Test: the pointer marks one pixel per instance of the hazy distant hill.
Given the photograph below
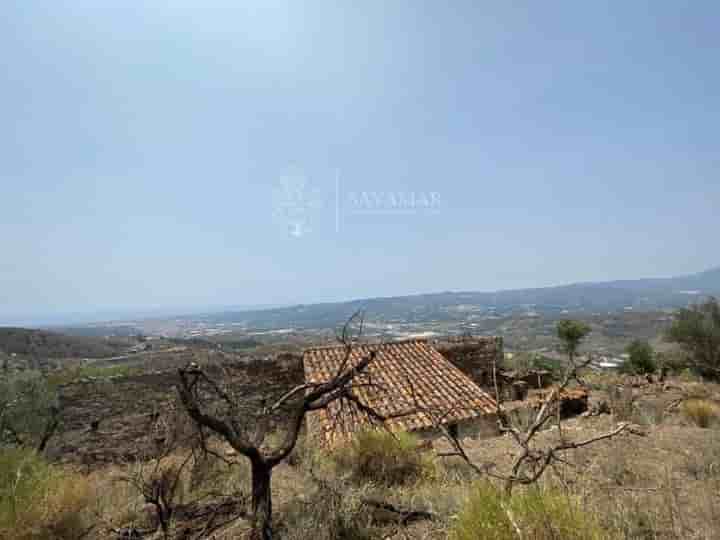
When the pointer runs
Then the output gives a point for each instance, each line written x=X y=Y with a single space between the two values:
x=640 y=294
x=43 y=344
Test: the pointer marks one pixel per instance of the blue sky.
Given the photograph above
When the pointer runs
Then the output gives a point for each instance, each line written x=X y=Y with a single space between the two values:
x=172 y=155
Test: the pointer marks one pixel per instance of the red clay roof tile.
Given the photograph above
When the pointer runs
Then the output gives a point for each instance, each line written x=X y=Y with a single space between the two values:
x=410 y=383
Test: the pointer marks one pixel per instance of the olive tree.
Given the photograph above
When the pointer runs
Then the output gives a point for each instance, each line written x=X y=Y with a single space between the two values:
x=571 y=334
x=697 y=330
x=29 y=410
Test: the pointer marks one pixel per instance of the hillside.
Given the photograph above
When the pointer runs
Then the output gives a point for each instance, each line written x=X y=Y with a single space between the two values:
x=43 y=344
x=640 y=294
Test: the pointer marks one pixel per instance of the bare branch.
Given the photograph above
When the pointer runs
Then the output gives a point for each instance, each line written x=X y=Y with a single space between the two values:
x=528 y=456
x=235 y=428
x=289 y=395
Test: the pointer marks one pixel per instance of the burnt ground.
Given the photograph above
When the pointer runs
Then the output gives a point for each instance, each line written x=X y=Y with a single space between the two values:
x=122 y=408
x=126 y=410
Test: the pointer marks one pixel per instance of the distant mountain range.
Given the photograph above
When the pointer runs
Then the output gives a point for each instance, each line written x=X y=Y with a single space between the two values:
x=639 y=294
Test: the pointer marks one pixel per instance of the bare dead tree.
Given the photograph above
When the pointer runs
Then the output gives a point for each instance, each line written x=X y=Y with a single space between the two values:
x=247 y=434
x=531 y=460
x=174 y=453
x=159 y=486
x=157 y=472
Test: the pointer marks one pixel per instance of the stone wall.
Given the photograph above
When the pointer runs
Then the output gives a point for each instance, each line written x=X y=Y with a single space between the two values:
x=283 y=371
x=482 y=427
x=475 y=357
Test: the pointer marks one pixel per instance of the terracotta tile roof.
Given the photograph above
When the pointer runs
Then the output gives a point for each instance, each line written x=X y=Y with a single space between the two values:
x=409 y=382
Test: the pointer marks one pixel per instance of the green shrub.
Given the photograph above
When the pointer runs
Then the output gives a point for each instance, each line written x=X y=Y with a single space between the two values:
x=483 y=516
x=553 y=365
x=37 y=500
x=385 y=458
x=538 y=514
x=641 y=358
x=73 y=374
x=701 y=412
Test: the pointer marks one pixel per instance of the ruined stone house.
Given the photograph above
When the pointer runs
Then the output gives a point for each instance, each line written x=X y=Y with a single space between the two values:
x=475 y=356
x=410 y=384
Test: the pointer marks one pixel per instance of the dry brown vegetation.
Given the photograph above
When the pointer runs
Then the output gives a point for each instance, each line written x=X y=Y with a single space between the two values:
x=659 y=480
x=701 y=412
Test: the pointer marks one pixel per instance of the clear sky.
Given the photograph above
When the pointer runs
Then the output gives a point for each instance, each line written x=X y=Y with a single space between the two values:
x=175 y=154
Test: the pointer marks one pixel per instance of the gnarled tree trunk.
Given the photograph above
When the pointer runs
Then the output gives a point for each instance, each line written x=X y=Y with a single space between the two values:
x=261 y=500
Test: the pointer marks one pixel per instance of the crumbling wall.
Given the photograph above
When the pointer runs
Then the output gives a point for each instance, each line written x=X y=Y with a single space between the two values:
x=282 y=372
x=474 y=356
x=515 y=385
x=262 y=380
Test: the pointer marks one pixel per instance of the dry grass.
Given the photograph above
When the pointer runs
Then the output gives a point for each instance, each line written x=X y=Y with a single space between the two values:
x=661 y=486
x=115 y=502
x=622 y=403
x=327 y=516
x=704 y=465
x=538 y=514
x=701 y=412
x=385 y=458
x=117 y=498
x=39 y=501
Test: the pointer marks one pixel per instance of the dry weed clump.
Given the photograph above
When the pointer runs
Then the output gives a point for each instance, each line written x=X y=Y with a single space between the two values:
x=121 y=494
x=327 y=515
x=662 y=512
x=115 y=502
x=534 y=513
x=622 y=403
x=652 y=412
x=632 y=516
x=380 y=457
x=602 y=380
x=209 y=476
x=704 y=465
x=39 y=501
x=701 y=412
x=697 y=390
x=620 y=470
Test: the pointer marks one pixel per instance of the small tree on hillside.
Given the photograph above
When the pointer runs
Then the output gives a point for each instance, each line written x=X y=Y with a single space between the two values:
x=697 y=330
x=571 y=334
x=641 y=358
